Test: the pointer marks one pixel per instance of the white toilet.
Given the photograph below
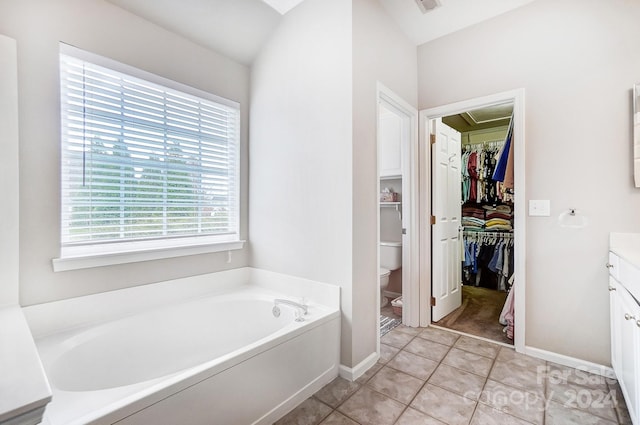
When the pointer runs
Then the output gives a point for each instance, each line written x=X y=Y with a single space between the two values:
x=390 y=259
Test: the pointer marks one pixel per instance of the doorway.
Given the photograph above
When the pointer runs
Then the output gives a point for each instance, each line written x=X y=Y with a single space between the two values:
x=442 y=239
x=398 y=223
x=472 y=204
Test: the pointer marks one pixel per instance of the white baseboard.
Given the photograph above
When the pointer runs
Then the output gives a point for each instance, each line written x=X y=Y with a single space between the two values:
x=563 y=360
x=353 y=373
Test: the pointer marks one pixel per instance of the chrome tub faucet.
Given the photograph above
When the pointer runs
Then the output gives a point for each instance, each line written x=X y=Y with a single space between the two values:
x=301 y=308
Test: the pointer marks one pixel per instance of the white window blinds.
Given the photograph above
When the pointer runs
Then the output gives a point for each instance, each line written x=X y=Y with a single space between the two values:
x=142 y=161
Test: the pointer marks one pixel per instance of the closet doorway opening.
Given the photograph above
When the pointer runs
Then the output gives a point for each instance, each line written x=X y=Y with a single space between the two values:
x=474 y=194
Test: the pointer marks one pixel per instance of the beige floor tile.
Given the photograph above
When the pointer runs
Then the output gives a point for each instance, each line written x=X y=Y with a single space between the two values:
x=438 y=335
x=310 y=412
x=515 y=392
x=414 y=365
x=450 y=408
x=623 y=415
x=518 y=377
x=395 y=384
x=596 y=401
x=580 y=376
x=386 y=353
x=336 y=392
x=415 y=417
x=429 y=349
x=337 y=418
x=456 y=380
x=369 y=374
x=558 y=374
x=558 y=414
x=516 y=402
x=485 y=415
x=510 y=356
x=369 y=407
x=396 y=338
x=408 y=330
x=468 y=361
x=621 y=407
x=477 y=346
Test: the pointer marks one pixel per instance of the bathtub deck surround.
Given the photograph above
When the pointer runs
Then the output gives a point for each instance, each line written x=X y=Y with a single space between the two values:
x=161 y=353
x=429 y=376
x=24 y=390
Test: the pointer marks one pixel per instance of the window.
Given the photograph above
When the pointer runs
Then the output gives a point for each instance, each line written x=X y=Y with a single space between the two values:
x=147 y=163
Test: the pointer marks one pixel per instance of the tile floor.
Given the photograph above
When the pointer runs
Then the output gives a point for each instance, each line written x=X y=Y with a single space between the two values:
x=429 y=376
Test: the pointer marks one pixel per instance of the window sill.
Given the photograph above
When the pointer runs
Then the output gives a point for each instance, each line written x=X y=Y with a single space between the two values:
x=108 y=259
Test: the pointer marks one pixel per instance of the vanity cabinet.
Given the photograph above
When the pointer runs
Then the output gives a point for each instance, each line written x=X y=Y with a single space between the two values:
x=391 y=134
x=625 y=330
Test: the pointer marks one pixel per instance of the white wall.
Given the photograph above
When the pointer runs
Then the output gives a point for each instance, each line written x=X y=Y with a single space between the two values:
x=313 y=189
x=9 y=219
x=99 y=27
x=381 y=53
x=577 y=61
x=300 y=151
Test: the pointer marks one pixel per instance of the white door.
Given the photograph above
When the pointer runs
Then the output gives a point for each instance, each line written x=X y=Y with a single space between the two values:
x=446 y=209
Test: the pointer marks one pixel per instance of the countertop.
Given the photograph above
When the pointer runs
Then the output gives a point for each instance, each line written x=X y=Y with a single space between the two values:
x=24 y=389
x=626 y=246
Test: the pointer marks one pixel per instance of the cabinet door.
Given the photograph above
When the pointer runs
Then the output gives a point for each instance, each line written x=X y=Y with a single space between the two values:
x=628 y=313
x=615 y=316
x=391 y=133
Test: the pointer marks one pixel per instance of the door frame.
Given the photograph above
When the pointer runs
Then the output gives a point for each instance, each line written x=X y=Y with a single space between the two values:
x=517 y=97
x=410 y=196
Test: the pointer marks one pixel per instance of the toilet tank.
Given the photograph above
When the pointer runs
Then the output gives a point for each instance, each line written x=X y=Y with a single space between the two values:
x=391 y=255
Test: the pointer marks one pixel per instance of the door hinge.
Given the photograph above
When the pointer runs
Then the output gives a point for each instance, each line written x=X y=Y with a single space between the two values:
x=404 y=231
x=433 y=220
x=432 y=137
x=433 y=301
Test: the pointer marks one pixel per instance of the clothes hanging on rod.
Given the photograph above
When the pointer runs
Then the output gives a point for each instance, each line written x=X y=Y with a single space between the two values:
x=488 y=260
x=507 y=316
x=478 y=163
x=504 y=168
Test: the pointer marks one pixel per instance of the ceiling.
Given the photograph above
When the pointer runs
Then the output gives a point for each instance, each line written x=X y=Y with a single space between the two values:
x=238 y=28
x=450 y=16
x=481 y=119
x=234 y=28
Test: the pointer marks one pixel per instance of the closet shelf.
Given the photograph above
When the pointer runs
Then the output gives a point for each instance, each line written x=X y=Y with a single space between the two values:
x=396 y=205
x=391 y=177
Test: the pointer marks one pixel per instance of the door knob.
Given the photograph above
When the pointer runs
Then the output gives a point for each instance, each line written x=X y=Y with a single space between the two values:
x=627 y=316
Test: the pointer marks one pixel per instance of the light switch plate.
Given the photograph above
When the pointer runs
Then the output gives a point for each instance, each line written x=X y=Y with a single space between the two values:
x=539 y=208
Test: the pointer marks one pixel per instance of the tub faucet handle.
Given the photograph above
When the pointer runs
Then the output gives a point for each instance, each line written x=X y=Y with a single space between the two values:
x=298 y=306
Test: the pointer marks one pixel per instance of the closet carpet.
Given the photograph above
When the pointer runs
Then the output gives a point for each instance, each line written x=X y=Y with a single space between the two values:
x=479 y=313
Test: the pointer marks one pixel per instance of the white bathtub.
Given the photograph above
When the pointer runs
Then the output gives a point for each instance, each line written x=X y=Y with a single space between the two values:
x=203 y=350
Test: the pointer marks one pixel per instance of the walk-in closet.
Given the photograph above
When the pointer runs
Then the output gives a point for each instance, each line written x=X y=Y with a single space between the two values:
x=485 y=231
